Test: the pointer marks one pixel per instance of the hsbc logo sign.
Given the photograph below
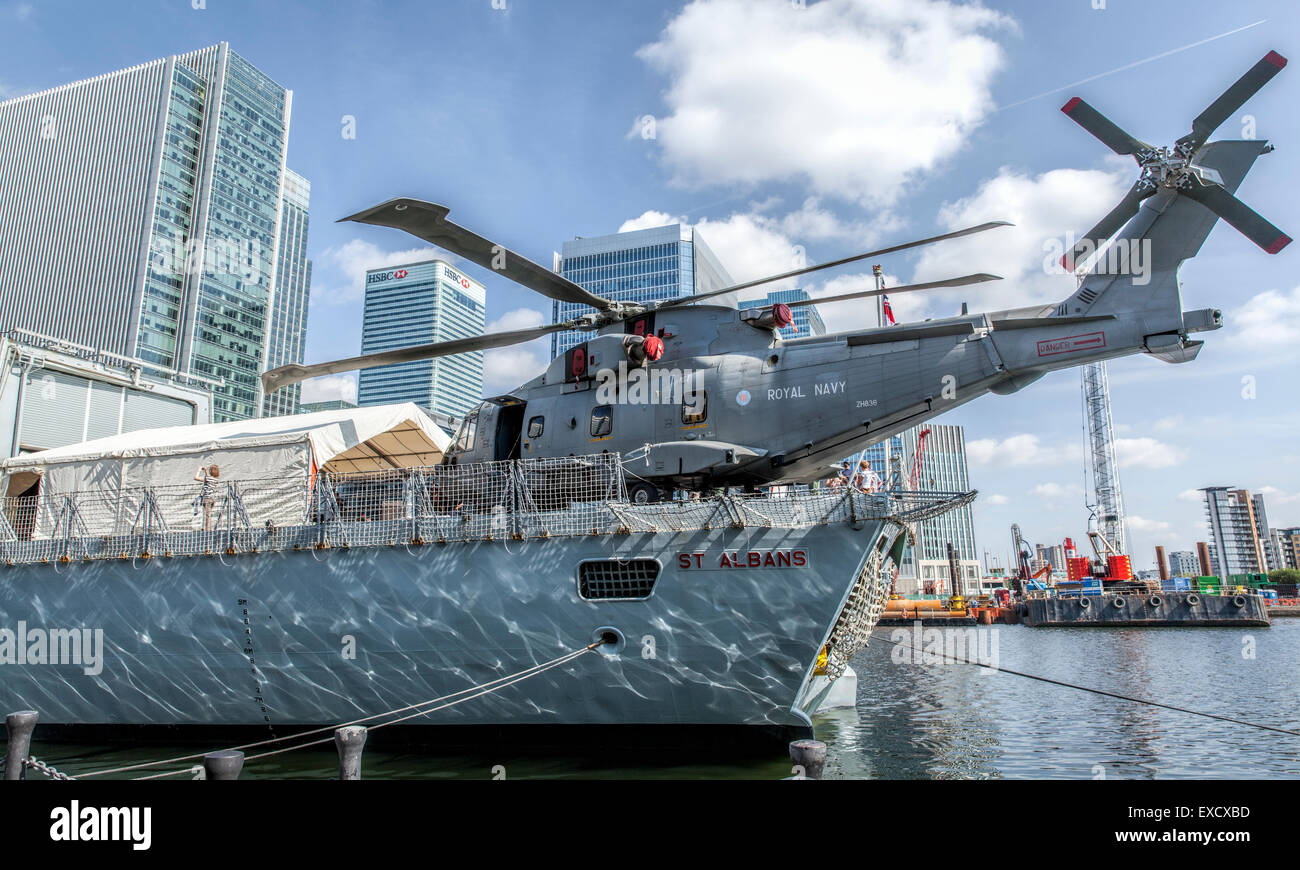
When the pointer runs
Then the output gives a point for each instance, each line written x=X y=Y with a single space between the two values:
x=381 y=277
x=457 y=278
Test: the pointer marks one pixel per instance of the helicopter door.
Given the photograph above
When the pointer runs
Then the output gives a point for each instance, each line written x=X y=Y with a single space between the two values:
x=510 y=425
x=538 y=420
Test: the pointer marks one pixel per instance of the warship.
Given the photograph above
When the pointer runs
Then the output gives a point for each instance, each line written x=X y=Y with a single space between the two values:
x=392 y=588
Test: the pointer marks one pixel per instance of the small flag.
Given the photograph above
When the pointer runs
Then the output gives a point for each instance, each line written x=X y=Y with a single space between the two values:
x=889 y=312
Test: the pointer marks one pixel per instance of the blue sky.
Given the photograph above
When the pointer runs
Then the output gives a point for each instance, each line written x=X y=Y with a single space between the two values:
x=832 y=127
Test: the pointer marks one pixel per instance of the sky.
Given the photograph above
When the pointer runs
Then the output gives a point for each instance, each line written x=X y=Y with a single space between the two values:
x=783 y=128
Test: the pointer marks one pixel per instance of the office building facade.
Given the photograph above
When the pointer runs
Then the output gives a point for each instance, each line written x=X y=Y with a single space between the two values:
x=421 y=303
x=943 y=469
x=1288 y=546
x=1053 y=556
x=142 y=214
x=327 y=405
x=1238 y=547
x=287 y=338
x=638 y=266
x=1267 y=540
x=1183 y=563
x=806 y=319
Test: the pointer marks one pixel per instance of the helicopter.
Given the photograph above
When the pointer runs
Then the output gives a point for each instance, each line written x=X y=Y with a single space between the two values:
x=694 y=394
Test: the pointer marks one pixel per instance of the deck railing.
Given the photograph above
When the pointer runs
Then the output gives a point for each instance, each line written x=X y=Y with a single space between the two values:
x=519 y=500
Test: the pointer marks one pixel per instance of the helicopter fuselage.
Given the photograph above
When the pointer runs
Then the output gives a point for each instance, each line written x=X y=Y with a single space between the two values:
x=729 y=404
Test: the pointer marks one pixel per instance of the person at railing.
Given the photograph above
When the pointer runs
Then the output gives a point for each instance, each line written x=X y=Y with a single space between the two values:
x=866 y=479
x=207 y=475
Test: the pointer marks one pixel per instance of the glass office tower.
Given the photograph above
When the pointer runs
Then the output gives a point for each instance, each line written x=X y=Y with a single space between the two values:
x=292 y=292
x=157 y=191
x=943 y=469
x=639 y=266
x=806 y=320
x=421 y=303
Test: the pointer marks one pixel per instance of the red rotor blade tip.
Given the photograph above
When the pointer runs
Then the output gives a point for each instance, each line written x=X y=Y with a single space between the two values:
x=1074 y=101
x=1278 y=244
x=1276 y=59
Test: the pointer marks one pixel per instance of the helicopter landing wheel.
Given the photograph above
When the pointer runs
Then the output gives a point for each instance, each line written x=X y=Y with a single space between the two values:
x=642 y=492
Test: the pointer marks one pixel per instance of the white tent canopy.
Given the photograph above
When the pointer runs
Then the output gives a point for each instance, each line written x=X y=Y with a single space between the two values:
x=284 y=451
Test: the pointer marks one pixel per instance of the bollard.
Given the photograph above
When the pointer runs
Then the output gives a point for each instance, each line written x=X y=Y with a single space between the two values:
x=225 y=764
x=350 y=741
x=810 y=755
x=19 y=727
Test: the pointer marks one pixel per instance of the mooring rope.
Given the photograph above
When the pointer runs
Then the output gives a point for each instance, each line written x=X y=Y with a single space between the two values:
x=480 y=690
x=1101 y=692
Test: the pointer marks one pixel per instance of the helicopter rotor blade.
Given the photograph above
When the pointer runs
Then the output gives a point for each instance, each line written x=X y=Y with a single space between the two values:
x=428 y=221
x=1108 y=225
x=978 y=278
x=687 y=300
x=1110 y=134
x=1231 y=100
x=293 y=373
x=1246 y=220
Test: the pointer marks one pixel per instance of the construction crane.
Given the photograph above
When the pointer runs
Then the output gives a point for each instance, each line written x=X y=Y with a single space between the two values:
x=1024 y=556
x=918 y=459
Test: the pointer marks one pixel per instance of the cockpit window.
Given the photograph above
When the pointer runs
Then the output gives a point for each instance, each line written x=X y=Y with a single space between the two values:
x=468 y=429
x=602 y=421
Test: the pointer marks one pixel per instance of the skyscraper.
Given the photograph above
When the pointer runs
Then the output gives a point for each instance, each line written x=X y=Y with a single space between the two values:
x=288 y=333
x=1238 y=546
x=140 y=214
x=420 y=303
x=806 y=320
x=638 y=266
x=943 y=469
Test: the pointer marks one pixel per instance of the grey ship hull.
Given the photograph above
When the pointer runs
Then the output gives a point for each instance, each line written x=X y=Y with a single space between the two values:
x=303 y=637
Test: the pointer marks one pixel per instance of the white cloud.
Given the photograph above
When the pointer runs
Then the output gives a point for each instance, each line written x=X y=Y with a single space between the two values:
x=852 y=98
x=505 y=368
x=1147 y=453
x=1020 y=450
x=1166 y=424
x=9 y=92
x=1044 y=208
x=996 y=499
x=1268 y=321
x=1273 y=495
x=330 y=388
x=1192 y=495
x=1141 y=524
x=1051 y=489
x=349 y=263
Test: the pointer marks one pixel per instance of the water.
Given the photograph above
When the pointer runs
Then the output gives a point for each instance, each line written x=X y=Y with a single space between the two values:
x=945 y=721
